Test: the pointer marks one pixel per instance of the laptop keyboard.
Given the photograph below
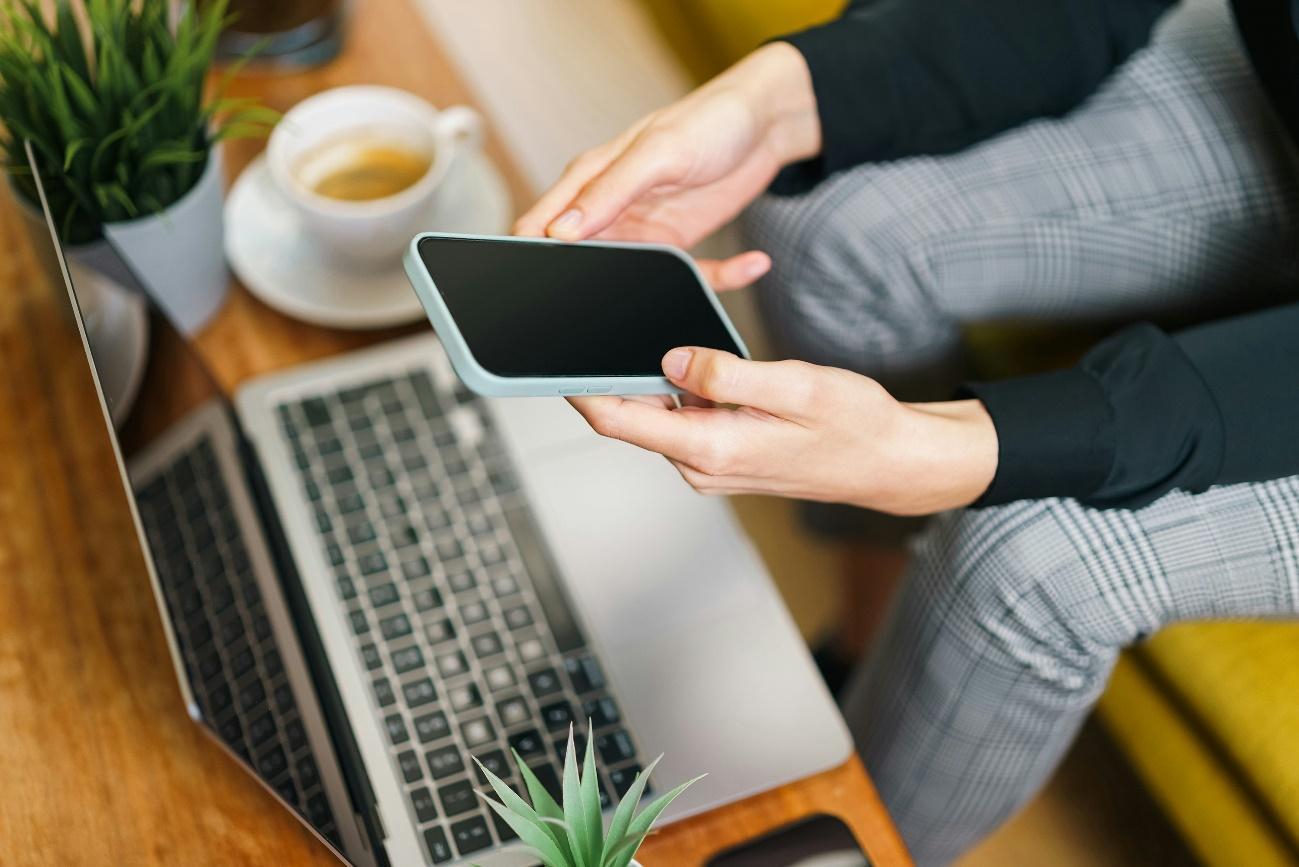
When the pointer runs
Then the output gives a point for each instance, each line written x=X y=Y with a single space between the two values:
x=233 y=664
x=455 y=611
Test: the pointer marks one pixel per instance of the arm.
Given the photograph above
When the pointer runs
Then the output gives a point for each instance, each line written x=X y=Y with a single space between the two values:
x=895 y=78
x=1145 y=413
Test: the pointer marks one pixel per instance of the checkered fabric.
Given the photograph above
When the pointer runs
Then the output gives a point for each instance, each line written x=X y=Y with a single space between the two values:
x=1009 y=624
x=1172 y=192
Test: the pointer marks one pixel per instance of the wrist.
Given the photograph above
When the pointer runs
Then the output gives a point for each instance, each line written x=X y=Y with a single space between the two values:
x=777 y=85
x=950 y=452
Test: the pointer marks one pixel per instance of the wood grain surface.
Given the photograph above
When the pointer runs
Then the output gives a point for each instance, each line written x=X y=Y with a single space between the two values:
x=100 y=763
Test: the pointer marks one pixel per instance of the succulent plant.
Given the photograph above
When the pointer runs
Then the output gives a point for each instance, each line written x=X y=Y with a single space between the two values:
x=574 y=834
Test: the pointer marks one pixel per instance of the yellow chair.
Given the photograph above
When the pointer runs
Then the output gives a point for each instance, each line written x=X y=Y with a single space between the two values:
x=1208 y=714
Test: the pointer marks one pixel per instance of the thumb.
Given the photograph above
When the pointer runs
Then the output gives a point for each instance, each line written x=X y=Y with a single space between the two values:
x=604 y=198
x=782 y=388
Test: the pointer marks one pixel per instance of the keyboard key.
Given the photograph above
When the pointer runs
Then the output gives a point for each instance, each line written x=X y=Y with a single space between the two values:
x=496 y=762
x=487 y=644
x=370 y=655
x=445 y=761
x=549 y=778
x=557 y=716
x=219 y=699
x=432 y=726
x=528 y=743
x=513 y=711
x=323 y=523
x=601 y=712
x=615 y=748
x=425 y=808
x=471 y=835
x=622 y=778
x=439 y=848
x=531 y=650
x=457 y=798
x=407 y=659
x=396 y=727
x=283 y=696
x=505 y=585
x=272 y=763
x=544 y=682
x=349 y=503
x=518 y=617
x=503 y=830
x=462 y=580
x=359 y=534
x=477 y=732
x=360 y=625
x=465 y=697
x=260 y=729
x=383 y=692
x=250 y=696
x=438 y=631
x=416 y=568
x=295 y=735
x=418 y=693
x=395 y=627
x=452 y=664
x=585 y=674
x=449 y=548
x=346 y=589
x=373 y=563
x=427 y=599
x=409 y=764
x=316 y=412
x=384 y=594
x=307 y=772
x=473 y=612
x=499 y=677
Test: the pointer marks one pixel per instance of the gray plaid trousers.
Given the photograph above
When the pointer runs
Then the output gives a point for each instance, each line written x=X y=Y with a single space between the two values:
x=1171 y=191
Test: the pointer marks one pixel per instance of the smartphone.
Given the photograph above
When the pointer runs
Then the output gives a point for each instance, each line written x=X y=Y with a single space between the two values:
x=525 y=317
x=818 y=841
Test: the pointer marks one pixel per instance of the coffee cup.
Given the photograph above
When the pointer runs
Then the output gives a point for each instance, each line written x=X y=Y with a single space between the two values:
x=363 y=165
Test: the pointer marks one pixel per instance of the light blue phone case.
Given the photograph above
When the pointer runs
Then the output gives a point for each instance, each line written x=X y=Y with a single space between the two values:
x=484 y=382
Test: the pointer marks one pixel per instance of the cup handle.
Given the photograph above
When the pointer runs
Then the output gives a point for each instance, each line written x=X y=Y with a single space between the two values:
x=461 y=126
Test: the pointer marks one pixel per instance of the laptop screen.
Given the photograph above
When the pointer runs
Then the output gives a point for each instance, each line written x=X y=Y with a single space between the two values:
x=210 y=547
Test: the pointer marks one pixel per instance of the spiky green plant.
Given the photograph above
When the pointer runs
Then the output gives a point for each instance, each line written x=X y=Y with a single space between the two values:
x=574 y=835
x=111 y=93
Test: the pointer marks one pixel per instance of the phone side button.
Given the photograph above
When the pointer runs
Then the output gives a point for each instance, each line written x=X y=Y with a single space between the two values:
x=599 y=389
x=569 y=390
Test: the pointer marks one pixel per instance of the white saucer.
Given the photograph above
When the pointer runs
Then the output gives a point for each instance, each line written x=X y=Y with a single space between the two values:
x=283 y=266
x=117 y=326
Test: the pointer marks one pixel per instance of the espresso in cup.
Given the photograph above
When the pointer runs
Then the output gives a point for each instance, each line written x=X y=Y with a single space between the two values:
x=364 y=165
x=361 y=170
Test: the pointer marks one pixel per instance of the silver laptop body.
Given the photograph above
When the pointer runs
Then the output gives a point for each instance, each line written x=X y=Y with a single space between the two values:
x=369 y=575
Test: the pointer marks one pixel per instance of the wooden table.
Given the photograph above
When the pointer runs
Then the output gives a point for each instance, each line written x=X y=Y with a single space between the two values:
x=99 y=761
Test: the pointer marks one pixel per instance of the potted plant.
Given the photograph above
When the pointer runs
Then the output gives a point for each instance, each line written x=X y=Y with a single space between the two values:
x=574 y=834
x=112 y=96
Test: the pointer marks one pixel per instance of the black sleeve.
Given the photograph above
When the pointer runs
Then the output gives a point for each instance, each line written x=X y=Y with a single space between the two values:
x=896 y=78
x=1144 y=413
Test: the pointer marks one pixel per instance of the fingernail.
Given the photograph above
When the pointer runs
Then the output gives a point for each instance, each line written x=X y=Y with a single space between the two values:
x=755 y=269
x=567 y=222
x=676 y=363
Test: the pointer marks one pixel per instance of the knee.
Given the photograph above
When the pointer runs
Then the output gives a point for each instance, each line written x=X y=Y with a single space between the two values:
x=849 y=267
x=1014 y=588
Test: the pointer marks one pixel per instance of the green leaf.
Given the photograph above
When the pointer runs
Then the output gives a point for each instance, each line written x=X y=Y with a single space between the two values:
x=579 y=835
x=625 y=811
x=590 y=792
x=644 y=821
x=544 y=804
x=511 y=800
x=532 y=835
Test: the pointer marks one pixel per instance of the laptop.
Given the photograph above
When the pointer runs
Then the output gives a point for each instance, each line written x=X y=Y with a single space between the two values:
x=368 y=575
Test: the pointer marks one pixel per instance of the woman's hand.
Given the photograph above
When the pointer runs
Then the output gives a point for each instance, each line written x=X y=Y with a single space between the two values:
x=809 y=432
x=682 y=172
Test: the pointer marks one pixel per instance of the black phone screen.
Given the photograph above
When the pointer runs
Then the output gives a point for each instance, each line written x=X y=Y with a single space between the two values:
x=542 y=309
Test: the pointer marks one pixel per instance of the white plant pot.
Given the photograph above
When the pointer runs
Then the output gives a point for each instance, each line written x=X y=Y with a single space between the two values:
x=179 y=254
